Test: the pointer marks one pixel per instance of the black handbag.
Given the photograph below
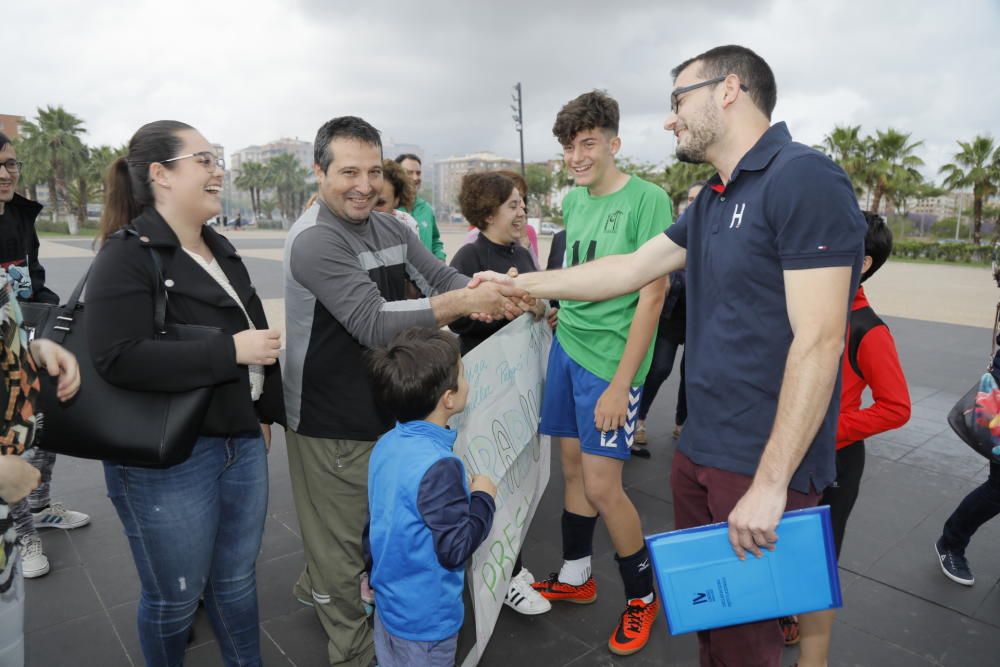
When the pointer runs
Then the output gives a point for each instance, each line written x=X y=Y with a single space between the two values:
x=107 y=422
x=968 y=416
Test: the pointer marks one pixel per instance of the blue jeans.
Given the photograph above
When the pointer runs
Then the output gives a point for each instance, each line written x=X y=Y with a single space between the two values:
x=195 y=530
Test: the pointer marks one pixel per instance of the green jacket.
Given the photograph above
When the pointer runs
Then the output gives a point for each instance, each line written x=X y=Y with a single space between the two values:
x=427 y=226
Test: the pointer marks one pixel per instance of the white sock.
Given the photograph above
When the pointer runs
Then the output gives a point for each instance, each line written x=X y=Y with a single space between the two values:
x=649 y=598
x=575 y=572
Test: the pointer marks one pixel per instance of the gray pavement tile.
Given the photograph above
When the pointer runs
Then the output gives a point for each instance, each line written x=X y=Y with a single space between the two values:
x=551 y=643
x=920 y=392
x=977 y=644
x=57 y=597
x=887 y=449
x=912 y=566
x=930 y=413
x=290 y=520
x=278 y=541
x=88 y=640
x=275 y=579
x=852 y=647
x=124 y=619
x=116 y=579
x=299 y=636
x=956 y=463
x=208 y=655
x=907 y=435
x=103 y=538
x=943 y=400
x=989 y=610
x=921 y=627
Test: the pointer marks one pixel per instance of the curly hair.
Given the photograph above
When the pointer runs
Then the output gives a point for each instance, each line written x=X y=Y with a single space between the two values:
x=595 y=109
x=401 y=183
x=482 y=193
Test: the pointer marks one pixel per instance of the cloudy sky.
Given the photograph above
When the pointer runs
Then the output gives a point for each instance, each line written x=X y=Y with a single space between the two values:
x=439 y=73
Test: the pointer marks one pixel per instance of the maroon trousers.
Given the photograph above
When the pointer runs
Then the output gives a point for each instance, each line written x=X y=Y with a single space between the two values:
x=704 y=495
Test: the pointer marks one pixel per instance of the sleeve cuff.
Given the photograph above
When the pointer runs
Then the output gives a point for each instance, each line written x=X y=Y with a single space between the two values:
x=820 y=260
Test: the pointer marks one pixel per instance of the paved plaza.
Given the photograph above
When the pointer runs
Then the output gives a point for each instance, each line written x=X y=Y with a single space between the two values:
x=899 y=610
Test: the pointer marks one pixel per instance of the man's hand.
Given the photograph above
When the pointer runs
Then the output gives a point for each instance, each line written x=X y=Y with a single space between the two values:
x=753 y=521
x=612 y=408
x=553 y=318
x=491 y=277
x=18 y=478
x=491 y=301
x=58 y=362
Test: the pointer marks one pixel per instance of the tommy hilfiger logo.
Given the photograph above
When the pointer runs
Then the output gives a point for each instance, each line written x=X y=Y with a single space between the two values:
x=737 y=216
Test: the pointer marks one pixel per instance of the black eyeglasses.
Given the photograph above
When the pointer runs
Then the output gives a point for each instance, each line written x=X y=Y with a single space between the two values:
x=695 y=86
x=206 y=159
x=12 y=166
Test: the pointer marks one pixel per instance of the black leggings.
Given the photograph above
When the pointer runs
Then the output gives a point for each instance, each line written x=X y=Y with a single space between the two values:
x=840 y=495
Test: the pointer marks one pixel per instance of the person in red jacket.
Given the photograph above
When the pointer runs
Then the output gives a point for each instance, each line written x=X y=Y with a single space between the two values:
x=870 y=360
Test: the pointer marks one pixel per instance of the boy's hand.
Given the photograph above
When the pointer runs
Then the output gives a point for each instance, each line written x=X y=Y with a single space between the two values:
x=611 y=410
x=483 y=483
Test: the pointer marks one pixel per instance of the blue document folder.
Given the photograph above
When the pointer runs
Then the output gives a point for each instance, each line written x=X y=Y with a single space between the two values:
x=703 y=585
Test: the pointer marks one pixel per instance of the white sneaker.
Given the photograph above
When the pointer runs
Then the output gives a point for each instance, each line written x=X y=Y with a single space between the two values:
x=57 y=516
x=33 y=562
x=524 y=599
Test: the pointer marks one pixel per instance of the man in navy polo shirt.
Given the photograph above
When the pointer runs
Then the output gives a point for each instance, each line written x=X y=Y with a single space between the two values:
x=773 y=249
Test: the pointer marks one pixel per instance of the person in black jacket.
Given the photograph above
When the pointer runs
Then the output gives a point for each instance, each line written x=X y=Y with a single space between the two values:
x=492 y=203
x=19 y=262
x=194 y=528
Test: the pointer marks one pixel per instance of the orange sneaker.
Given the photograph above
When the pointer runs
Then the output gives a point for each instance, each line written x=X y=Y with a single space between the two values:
x=553 y=589
x=633 y=628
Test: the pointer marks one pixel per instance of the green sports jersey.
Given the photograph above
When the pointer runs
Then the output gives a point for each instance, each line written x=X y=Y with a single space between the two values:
x=594 y=334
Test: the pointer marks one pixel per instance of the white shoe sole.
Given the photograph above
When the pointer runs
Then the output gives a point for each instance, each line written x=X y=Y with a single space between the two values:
x=34 y=574
x=61 y=526
x=527 y=611
x=963 y=582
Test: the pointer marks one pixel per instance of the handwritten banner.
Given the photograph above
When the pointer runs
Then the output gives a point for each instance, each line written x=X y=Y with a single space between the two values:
x=498 y=437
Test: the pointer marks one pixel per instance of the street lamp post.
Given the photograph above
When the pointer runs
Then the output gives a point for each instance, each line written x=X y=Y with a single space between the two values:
x=518 y=119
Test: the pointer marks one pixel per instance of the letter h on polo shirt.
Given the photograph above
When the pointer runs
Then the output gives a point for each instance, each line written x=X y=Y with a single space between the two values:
x=737 y=216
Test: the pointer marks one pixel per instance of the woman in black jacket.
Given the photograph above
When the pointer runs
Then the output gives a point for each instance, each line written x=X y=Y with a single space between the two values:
x=194 y=528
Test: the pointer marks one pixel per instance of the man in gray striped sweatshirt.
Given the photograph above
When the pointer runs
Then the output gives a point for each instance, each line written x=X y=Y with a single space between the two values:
x=346 y=271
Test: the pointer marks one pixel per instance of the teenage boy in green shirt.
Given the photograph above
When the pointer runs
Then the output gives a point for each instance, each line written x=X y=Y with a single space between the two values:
x=598 y=364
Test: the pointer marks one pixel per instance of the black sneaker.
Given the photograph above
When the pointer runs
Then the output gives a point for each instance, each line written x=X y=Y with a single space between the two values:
x=954 y=565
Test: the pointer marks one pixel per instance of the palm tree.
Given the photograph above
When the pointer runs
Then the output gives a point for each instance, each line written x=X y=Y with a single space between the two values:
x=55 y=136
x=678 y=177
x=892 y=154
x=288 y=178
x=846 y=147
x=977 y=165
x=253 y=178
x=87 y=184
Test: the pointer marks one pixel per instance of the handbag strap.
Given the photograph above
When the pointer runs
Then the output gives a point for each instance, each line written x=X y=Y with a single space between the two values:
x=64 y=320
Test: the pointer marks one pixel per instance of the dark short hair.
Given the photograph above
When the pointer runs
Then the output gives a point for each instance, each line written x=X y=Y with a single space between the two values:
x=401 y=183
x=753 y=71
x=482 y=193
x=414 y=370
x=4 y=140
x=878 y=242
x=595 y=109
x=409 y=156
x=351 y=127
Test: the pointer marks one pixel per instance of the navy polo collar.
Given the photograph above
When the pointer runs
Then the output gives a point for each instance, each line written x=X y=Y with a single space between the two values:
x=770 y=144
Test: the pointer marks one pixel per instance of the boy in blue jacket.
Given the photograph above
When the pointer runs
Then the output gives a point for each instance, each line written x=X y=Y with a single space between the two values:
x=426 y=521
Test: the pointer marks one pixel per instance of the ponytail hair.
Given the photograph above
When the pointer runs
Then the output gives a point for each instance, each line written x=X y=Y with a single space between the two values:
x=127 y=186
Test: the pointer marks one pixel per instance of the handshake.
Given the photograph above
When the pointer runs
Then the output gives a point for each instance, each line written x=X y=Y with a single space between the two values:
x=494 y=296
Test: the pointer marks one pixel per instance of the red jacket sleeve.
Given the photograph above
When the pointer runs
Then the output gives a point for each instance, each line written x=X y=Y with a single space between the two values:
x=879 y=364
